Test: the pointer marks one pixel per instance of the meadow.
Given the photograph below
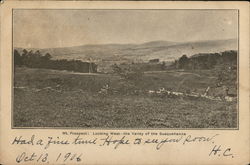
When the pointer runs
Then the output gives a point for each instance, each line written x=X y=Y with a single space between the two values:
x=50 y=98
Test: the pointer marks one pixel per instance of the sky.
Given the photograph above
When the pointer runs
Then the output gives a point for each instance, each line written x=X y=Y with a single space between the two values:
x=65 y=28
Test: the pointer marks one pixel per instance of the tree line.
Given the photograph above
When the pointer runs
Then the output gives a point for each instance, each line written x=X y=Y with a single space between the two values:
x=37 y=60
x=206 y=60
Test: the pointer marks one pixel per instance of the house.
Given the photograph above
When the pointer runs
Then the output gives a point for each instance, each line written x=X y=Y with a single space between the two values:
x=154 y=60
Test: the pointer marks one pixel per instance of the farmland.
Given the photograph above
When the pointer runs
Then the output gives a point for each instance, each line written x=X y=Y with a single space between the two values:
x=49 y=98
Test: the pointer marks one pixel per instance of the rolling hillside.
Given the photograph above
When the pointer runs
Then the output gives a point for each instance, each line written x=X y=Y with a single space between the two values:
x=117 y=53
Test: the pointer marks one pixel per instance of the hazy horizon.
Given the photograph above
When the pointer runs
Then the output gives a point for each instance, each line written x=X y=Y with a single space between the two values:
x=66 y=28
x=129 y=43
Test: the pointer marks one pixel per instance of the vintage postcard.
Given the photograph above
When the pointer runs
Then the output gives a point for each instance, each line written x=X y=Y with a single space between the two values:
x=124 y=82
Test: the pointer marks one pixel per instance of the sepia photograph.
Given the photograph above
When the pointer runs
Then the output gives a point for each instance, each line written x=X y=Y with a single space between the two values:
x=125 y=68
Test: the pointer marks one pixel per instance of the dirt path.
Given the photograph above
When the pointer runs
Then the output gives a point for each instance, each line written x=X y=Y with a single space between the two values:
x=78 y=73
x=179 y=72
x=75 y=73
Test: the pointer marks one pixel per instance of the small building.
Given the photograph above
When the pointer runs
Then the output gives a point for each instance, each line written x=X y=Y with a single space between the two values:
x=154 y=60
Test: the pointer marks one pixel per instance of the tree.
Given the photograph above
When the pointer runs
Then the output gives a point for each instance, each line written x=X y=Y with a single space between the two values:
x=163 y=65
x=37 y=60
x=116 y=69
x=211 y=61
x=25 y=52
x=17 y=58
x=183 y=62
x=47 y=56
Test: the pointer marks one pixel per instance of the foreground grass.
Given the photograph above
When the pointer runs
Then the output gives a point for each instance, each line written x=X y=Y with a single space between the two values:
x=76 y=103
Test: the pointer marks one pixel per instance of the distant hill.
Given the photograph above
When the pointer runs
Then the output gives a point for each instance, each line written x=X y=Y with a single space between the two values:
x=164 y=50
x=107 y=54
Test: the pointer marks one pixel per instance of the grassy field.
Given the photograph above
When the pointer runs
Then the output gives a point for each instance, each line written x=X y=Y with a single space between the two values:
x=47 y=98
